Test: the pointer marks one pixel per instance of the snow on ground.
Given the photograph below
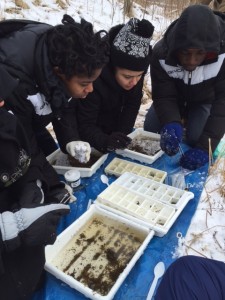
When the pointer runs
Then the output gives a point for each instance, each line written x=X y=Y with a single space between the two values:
x=205 y=236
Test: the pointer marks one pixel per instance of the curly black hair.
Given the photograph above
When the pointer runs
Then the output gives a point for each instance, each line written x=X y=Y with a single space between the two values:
x=75 y=49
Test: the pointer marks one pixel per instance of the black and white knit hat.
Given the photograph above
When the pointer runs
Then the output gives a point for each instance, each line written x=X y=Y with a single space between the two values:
x=131 y=47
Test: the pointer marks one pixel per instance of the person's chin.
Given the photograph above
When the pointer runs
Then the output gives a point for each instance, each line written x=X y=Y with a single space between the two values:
x=189 y=69
x=127 y=88
x=81 y=96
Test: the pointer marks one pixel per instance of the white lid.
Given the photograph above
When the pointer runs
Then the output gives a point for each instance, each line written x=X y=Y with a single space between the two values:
x=72 y=175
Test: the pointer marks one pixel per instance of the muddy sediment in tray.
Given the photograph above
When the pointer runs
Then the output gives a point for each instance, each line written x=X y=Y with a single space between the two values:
x=99 y=253
x=75 y=163
x=65 y=160
x=145 y=145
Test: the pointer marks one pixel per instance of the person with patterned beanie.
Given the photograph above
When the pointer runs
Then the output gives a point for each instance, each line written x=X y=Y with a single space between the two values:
x=108 y=114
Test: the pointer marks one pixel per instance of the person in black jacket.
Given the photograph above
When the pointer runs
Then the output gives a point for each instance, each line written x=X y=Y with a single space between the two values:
x=52 y=65
x=108 y=114
x=28 y=213
x=193 y=277
x=188 y=85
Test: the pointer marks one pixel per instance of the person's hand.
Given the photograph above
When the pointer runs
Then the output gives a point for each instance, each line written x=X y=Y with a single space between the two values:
x=60 y=193
x=118 y=140
x=79 y=150
x=194 y=159
x=31 y=194
x=31 y=226
x=171 y=137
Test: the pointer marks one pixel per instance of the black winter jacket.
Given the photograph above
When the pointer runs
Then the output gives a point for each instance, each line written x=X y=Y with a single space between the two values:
x=174 y=89
x=40 y=96
x=20 y=269
x=109 y=108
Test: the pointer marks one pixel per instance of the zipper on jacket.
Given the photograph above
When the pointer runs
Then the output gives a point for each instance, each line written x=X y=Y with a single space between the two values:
x=189 y=78
x=188 y=92
x=188 y=88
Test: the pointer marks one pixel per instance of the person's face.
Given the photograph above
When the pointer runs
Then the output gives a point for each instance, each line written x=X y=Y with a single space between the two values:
x=190 y=59
x=2 y=103
x=127 y=79
x=80 y=86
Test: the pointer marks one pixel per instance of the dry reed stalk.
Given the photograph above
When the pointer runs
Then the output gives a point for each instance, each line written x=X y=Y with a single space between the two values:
x=214 y=205
x=128 y=8
x=61 y=4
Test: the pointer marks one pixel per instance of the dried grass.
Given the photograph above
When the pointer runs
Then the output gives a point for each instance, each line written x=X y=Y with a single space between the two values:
x=170 y=8
x=214 y=202
x=37 y=2
x=22 y=4
x=12 y=10
x=62 y=4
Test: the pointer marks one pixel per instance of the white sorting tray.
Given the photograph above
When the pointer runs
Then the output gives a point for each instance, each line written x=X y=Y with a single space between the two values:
x=98 y=252
x=149 y=159
x=84 y=172
x=154 y=204
x=119 y=166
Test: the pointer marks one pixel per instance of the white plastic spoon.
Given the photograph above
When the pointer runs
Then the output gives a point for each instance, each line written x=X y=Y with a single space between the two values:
x=158 y=272
x=105 y=179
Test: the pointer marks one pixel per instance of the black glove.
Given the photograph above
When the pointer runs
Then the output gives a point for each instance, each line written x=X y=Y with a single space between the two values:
x=31 y=226
x=118 y=140
x=32 y=194
x=60 y=193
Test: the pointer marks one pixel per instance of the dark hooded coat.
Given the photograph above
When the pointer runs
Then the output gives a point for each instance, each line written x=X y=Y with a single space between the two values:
x=109 y=108
x=21 y=268
x=39 y=96
x=175 y=90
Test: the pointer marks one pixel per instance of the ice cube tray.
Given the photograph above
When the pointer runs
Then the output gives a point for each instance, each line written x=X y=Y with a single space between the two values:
x=149 y=159
x=156 y=204
x=84 y=172
x=119 y=166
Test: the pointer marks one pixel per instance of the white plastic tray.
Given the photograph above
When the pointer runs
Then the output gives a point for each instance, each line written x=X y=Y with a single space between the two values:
x=149 y=159
x=119 y=166
x=84 y=172
x=154 y=204
x=92 y=257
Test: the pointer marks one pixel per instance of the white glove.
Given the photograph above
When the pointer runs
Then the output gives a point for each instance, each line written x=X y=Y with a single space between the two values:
x=31 y=226
x=79 y=150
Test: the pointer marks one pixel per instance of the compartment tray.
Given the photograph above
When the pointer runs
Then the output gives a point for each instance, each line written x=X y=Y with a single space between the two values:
x=119 y=166
x=154 y=203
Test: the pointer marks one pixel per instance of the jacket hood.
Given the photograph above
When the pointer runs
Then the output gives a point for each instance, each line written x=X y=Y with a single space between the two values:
x=198 y=27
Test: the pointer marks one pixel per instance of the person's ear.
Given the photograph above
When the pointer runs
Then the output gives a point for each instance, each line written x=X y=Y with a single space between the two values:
x=1 y=102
